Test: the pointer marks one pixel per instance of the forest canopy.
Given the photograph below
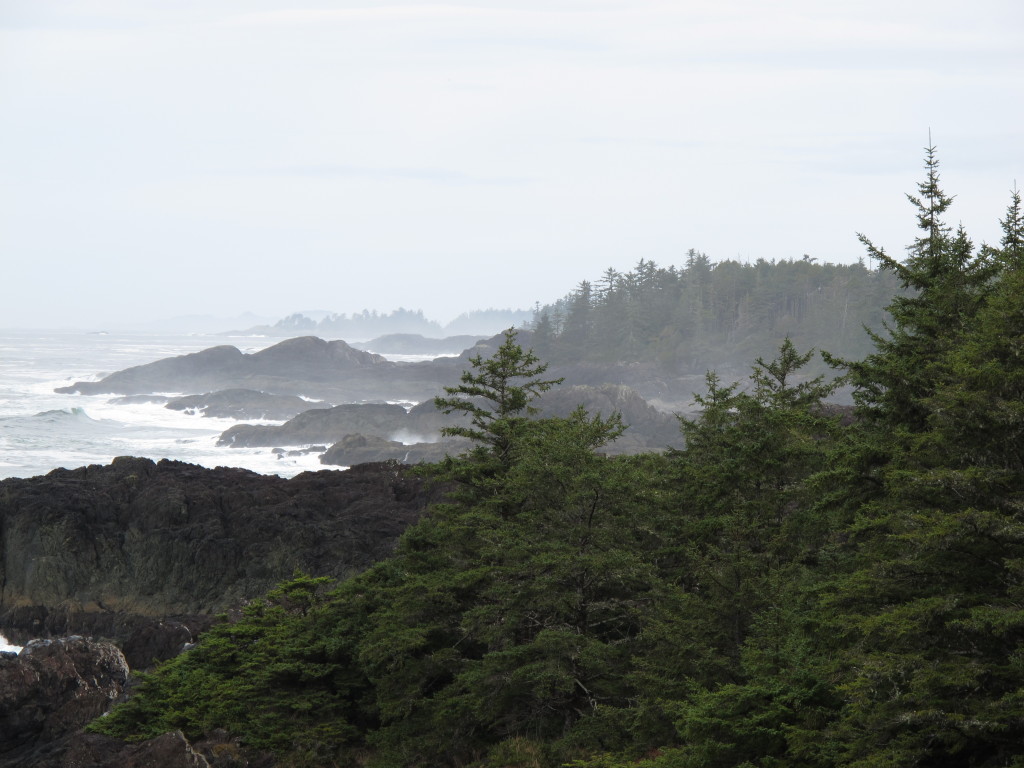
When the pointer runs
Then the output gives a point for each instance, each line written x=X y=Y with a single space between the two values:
x=705 y=315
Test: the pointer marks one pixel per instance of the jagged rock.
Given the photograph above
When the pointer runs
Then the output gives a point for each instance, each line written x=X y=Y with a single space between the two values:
x=299 y=451
x=169 y=750
x=100 y=546
x=244 y=404
x=356 y=449
x=53 y=688
x=143 y=639
x=320 y=426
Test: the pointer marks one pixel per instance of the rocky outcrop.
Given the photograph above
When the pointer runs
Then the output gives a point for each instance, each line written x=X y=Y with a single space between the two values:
x=91 y=750
x=305 y=366
x=142 y=639
x=244 y=404
x=108 y=548
x=306 y=358
x=357 y=449
x=52 y=689
x=320 y=426
x=388 y=431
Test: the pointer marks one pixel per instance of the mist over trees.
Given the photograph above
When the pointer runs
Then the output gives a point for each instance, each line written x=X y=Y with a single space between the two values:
x=785 y=591
x=369 y=324
x=702 y=316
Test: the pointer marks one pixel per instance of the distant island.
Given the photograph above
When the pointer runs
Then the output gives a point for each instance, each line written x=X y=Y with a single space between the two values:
x=360 y=326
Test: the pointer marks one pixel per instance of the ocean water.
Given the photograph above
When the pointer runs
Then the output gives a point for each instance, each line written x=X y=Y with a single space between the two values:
x=41 y=430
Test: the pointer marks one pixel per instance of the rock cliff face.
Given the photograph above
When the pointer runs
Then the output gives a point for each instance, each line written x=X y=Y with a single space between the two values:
x=51 y=689
x=146 y=552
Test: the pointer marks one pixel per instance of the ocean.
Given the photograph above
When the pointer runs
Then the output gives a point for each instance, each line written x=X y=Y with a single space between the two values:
x=41 y=430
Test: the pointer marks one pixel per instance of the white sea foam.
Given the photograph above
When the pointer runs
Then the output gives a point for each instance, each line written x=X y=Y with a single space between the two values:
x=407 y=437
x=397 y=358
x=6 y=646
x=41 y=430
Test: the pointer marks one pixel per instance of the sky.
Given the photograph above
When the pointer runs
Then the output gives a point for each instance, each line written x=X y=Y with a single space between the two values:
x=216 y=157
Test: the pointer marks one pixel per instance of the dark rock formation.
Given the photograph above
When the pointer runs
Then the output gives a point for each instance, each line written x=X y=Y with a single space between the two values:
x=143 y=639
x=244 y=404
x=109 y=548
x=320 y=426
x=91 y=750
x=389 y=432
x=53 y=688
x=358 y=449
x=304 y=366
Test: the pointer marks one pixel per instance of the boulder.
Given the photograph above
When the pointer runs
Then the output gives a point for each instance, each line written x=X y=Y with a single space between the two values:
x=144 y=640
x=53 y=688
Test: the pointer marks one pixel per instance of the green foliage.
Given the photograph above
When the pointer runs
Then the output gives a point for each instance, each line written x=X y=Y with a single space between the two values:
x=496 y=395
x=948 y=283
x=277 y=679
x=929 y=672
x=493 y=399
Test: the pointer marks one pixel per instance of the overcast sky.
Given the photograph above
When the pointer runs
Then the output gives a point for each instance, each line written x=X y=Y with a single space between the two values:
x=222 y=156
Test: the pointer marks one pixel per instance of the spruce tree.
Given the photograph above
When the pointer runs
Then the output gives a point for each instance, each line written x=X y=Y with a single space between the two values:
x=946 y=283
x=929 y=610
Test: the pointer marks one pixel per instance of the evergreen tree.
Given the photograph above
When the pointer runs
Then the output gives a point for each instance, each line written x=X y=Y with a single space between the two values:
x=929 y=613
x=948 y=284
x=495 y=394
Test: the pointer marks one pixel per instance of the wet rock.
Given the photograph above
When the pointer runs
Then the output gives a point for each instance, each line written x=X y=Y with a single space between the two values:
x=53 y=688
x=356 y=449
x=320 y=426
x=244 y=404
